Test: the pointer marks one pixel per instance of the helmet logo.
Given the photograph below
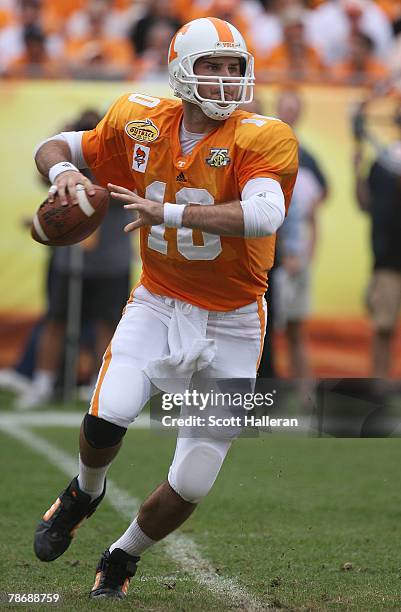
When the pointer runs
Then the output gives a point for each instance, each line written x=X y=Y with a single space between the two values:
x=231 y=45
x=142 y=130
x=218 y=158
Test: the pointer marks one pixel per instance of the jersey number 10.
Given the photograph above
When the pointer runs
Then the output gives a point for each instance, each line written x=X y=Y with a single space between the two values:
x=211 y=247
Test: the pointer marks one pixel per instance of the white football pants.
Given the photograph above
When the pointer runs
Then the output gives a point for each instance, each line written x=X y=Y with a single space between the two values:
x=123 y=389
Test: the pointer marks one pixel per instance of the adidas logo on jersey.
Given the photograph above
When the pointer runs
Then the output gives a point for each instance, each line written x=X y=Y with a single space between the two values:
x=181 y=178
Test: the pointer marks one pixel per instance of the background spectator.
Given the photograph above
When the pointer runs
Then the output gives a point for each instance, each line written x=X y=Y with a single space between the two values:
x=157 y=11
x=264 y=30
x=101 y=39
x=102 y=15
x=151 y=65
x=106 y=262
x=35 y=61
x=294 y=58
x=394 y=60
x=360 y=66
x=332 y=22
x=96 y=46
x=378 y=194
x=392 y=8
x=6 y=12
x=296 y=247
x=105 y=289
x=232 y=11
x=28 y=14
x=57 y=14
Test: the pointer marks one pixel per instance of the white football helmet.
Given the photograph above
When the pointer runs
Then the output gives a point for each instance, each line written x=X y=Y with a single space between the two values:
x=208 y=37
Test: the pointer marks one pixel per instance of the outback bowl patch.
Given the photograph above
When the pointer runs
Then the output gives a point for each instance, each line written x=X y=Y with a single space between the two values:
x=142 y=130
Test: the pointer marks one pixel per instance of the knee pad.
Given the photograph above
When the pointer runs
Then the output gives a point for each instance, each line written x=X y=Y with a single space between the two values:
x=102 y=434
x=193 y=475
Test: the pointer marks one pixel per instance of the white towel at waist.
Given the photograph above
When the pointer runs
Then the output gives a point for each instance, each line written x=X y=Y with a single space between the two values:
x=190 y=351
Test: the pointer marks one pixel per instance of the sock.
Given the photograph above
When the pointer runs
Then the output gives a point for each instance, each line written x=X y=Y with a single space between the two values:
x=43 y=381
x=91 y=480
x=134 y=541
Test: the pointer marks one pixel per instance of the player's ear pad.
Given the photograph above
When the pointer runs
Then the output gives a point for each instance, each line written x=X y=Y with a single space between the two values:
x=102 y=434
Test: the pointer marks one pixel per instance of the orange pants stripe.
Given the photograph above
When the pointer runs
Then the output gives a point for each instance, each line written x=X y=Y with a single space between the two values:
x=94 y=407
x=262 y=320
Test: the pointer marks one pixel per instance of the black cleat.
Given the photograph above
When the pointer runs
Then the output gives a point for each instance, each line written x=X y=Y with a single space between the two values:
x=55 y=531
x=113 y=574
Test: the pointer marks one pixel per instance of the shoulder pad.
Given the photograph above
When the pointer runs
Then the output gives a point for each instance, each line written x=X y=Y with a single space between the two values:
x=260 y=130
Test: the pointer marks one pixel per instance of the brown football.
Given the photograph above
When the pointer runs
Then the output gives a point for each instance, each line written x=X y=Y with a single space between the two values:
x=56 y=225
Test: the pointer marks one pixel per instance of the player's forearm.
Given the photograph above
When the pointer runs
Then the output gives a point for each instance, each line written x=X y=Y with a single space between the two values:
x=258 y=215
x=222 y=219
x=261 y=214
x=51 y=153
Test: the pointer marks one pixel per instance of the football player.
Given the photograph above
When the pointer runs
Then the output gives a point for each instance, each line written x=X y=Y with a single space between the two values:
x=210 y=185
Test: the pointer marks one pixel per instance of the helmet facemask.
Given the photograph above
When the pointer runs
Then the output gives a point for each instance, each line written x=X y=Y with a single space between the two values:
x=185 y=83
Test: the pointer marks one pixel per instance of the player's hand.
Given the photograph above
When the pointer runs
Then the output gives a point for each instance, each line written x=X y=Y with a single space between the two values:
x=149 y=212
x=68 y=181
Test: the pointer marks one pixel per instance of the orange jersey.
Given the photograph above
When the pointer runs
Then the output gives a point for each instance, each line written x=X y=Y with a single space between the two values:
x=137 y=146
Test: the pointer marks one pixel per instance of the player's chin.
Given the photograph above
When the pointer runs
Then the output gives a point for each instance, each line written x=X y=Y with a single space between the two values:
x=229 y=99
x=224 y=104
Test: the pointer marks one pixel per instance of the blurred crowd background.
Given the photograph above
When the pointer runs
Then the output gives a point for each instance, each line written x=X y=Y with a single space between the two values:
x=331 y=69
x=338 y=41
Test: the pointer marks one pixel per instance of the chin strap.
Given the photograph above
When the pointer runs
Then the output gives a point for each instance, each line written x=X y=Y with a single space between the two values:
x=214 y=111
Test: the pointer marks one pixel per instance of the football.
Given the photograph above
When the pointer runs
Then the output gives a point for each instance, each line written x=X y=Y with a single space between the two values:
x=57 y=225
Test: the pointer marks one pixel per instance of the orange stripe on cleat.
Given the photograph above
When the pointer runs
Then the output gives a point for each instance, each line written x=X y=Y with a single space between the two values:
x=49 y=513
x=97 y=581
x=223 y=30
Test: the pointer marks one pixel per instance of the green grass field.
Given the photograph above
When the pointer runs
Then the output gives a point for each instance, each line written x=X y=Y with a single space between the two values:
x=282 y=520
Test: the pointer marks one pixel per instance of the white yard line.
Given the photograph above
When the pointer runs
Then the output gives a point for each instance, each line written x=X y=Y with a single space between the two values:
x=57 y=418
x=185 y=552
x=180 y=548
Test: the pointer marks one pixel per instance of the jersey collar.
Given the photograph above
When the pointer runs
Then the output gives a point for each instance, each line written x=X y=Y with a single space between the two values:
x=181 y=161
